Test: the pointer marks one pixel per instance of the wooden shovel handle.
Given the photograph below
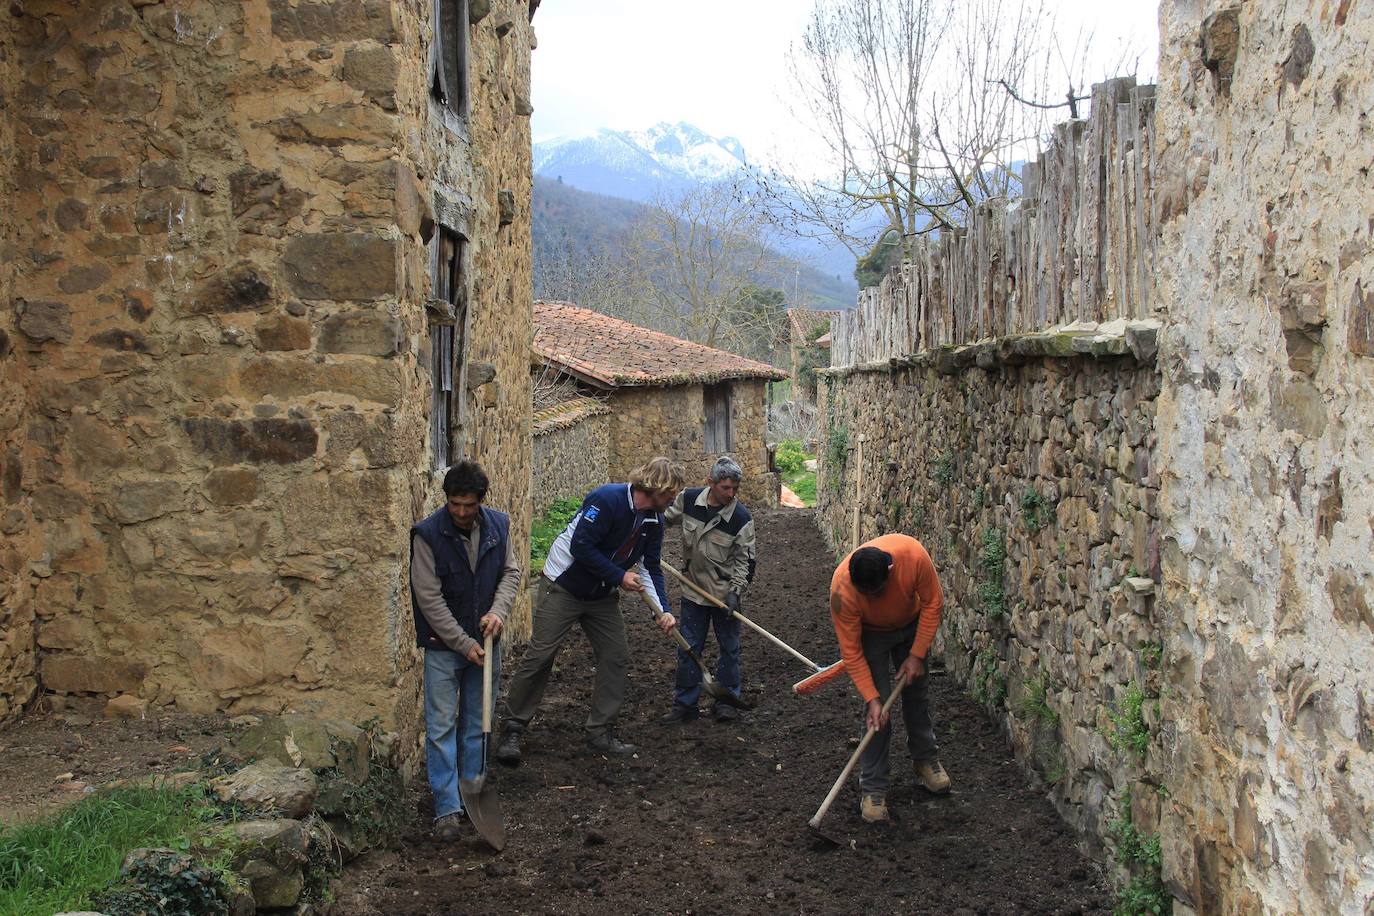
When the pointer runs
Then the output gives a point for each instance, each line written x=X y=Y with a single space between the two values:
x=688 y=583
x=854 y=758
x=486 y=683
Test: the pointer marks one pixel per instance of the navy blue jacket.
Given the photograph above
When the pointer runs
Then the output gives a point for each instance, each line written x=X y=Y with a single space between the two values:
x=591 y=556
x=468 y=595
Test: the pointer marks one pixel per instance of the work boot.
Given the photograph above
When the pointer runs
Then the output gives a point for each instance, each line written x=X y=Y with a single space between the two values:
x=608 y=743
x=508 y=749
x=932 y=776
x=449 y=827
x=680 y=715
x=873 y=807
x=724 y=712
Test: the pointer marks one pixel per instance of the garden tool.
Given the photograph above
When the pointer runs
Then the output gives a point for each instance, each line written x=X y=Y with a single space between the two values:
x=815 y=823
x=479 y=795
x=718 y=691
x=687 y=582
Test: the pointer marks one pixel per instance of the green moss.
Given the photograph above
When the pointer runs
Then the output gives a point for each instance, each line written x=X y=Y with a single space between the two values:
x=546 y=529
x=1144 y=894
x=1034 y=703
x=1129 y=732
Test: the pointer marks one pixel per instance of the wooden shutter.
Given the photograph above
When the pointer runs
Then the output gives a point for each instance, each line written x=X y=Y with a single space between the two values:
x=719 y=434
x=450 y=63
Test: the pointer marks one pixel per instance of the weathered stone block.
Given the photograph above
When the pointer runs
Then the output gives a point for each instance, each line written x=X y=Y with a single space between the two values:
x=367 y=380
x=338 y=125
x=1360 y=336
x=138 y=501
x=271 y=440
x=126 y=706
x=91 y=674
x=361 y=333
x=282 y=332
x=232 y=486
x=371 y=69
x=329 y=21
x=160 y=211
x=241 y=288
x=260 y=786
x=40 y=321
x=341 y=265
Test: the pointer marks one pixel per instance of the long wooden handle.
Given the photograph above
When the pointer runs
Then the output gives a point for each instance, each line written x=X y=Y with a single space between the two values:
x=486 y=684
x=688 y=583
x=652 y=600
x=854 y=758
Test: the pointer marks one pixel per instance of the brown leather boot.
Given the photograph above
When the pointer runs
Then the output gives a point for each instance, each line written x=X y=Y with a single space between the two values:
x=932 y=776
x=873 y=807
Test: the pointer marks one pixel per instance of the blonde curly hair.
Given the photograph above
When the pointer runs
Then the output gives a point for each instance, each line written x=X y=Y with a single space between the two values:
x=658 y=475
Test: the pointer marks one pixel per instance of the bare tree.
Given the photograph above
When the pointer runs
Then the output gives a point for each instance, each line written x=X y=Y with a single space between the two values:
x=904 y=96
x=702 y=268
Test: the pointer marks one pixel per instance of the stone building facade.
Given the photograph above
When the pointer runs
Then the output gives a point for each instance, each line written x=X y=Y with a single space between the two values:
x=666 y=396
x=571 y=451
x=236 y=230
x=1266 y=422
x=1196 y=626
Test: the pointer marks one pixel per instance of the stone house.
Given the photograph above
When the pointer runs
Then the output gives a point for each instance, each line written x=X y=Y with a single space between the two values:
x=264 y=271
x=808 y=345
x=667 y=396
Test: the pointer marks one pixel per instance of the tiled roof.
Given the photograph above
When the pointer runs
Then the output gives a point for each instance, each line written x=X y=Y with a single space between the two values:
x=611 y=353
x=804 y=321
x=567 y=413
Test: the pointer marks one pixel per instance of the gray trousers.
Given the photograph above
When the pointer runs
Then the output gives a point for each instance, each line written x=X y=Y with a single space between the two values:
x=885 y=651
x=555 y=613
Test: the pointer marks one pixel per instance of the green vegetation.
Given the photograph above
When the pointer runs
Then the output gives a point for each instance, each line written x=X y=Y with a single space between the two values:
x=992 y=562
x=886 y=253
x=1035 y=512
x=790 y=460
x=987 y=685
x=944 y=469
x=1145 y=894
x=547 y=528
x=836 y=456
x=1151 y=653
x=979 y=496
x=61 y=862
x=1130 y=734
x=1034 y=704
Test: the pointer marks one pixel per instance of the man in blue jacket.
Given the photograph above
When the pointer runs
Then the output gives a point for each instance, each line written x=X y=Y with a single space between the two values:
x=590 y=563
x=463 y=581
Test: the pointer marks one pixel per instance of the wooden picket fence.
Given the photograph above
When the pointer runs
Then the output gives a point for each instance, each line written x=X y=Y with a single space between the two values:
x=1077 y=245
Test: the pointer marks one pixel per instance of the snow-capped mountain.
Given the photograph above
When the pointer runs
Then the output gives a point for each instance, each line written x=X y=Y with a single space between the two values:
x=636 y=164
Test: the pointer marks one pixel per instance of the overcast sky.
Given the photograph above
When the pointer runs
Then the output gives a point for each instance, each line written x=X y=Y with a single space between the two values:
x=720 y=64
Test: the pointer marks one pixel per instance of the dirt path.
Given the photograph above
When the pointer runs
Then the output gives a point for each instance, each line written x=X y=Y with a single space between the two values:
x=711 y=818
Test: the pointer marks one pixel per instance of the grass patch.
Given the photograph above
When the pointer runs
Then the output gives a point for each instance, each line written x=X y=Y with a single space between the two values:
x=58 y=863
x=987 y=686
x=992 y=562
x=944 y=469
x=1145 y=893
x=1129 y=733
x=1034 y=705
x=546 y=530
x=836 y=456
x=1035 y=513
x=790 y=460
x=804 y=485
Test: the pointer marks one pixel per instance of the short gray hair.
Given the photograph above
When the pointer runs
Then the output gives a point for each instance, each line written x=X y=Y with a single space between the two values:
x=726 y=467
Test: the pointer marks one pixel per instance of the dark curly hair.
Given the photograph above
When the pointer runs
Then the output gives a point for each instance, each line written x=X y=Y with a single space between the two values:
x=868 y=568
x=466 y=477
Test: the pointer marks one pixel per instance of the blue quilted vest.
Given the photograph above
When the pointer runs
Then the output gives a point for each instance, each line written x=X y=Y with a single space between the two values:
x=468 y=594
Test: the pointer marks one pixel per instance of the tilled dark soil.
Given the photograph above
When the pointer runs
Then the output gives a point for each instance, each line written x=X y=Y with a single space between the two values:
x=712 y=817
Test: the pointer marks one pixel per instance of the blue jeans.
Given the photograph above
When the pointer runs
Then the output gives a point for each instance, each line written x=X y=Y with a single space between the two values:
x=695 y=621
x=453 y=723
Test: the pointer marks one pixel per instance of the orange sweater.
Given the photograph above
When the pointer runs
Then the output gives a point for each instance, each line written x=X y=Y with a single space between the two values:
x=912 y=593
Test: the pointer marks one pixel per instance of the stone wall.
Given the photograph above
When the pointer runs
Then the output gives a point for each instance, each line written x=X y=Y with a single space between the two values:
x=224 y=212
x=571 y=451
x=1034 y=487
x=1267 y=423
x=671 y=421
x=18 y=654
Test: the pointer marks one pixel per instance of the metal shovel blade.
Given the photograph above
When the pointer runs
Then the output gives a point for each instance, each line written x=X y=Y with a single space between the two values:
x=484 y=809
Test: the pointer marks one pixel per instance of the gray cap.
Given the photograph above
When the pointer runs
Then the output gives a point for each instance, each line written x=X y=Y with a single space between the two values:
x=726 y=468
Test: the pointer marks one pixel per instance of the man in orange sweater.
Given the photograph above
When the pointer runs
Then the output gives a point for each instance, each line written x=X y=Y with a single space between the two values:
x=885 y=602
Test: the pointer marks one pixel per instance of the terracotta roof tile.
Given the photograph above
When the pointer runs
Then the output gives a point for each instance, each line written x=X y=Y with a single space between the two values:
x=613 y=353
x=804 y=322
x=567 y=413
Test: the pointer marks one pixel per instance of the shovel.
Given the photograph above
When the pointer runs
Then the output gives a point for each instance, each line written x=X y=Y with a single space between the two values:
x=815 y=823
x=479 y=796
x=718 y=691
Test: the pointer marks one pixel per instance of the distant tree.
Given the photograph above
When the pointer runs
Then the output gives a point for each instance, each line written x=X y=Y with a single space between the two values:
x=922 y=106
x=698 y=258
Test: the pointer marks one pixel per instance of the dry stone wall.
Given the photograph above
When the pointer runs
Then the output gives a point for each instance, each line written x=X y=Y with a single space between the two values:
x=671 y=421
x=1267 y=423
x=1035 y=489
x=217 y=319
x=571 y=451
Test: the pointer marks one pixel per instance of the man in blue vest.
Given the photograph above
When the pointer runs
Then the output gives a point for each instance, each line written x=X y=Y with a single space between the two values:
x=463 y=581
x=595 y=558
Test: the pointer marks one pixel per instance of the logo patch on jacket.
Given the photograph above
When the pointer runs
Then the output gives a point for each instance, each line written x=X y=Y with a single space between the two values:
x=591 y=514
